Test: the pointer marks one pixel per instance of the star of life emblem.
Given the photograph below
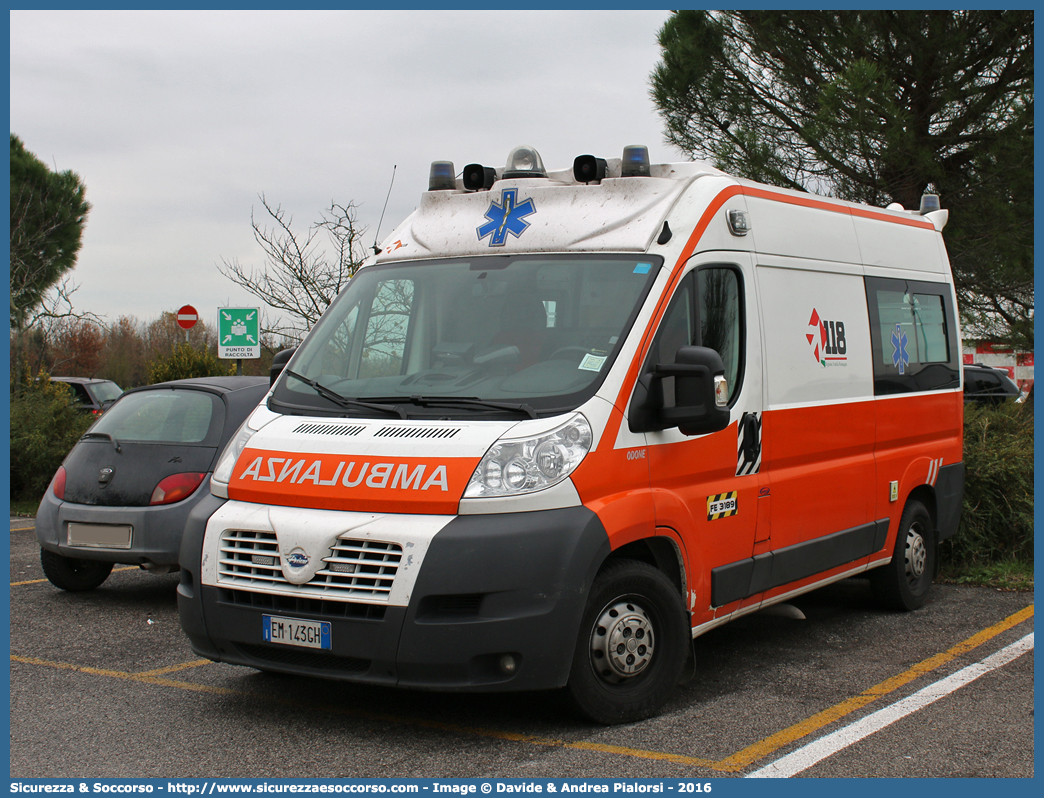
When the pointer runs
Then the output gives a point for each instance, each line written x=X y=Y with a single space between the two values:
x=900 y=357
x=506 y=217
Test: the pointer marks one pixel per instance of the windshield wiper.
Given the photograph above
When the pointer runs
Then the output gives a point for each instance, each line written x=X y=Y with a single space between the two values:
x=344 y=401
x=115 y=443
x=457 y=401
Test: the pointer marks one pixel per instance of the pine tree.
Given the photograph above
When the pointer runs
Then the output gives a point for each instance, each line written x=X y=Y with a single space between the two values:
x=875 y=107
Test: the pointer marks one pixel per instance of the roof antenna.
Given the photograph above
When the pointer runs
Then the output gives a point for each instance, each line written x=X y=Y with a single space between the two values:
x=377 y=249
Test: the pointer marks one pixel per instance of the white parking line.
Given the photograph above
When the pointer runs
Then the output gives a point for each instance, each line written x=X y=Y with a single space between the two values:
x=806 y=756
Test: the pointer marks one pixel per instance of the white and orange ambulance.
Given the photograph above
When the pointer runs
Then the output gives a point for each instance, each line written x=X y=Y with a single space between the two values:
x=564 y=422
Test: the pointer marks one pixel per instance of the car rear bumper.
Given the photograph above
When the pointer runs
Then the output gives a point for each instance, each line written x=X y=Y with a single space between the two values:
x=156 y=531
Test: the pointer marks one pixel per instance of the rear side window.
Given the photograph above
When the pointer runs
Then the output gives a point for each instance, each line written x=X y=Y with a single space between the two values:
x=105 y=391
x=165 y=416
x=913 y=336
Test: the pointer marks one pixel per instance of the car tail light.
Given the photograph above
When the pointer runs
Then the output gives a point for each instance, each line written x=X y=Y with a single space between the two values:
x=58 y=483
x=176 y=487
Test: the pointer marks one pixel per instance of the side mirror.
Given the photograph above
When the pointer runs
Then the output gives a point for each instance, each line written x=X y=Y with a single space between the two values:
x=279 y=362
x=700 y=395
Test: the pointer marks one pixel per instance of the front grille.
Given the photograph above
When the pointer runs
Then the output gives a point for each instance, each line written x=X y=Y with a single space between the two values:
x=302 y=605
x=304 y=659
x=354 y=569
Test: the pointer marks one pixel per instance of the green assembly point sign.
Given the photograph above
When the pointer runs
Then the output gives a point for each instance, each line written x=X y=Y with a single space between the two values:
x=239 y=333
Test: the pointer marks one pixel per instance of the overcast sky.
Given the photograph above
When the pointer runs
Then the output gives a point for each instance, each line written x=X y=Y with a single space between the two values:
x=177 y=121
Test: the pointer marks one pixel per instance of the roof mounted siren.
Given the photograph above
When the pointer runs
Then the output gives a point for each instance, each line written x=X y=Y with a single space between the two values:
x=441 y=177
x=635 y=161
x=588 y=169
x=524 y=162
x=477 y=177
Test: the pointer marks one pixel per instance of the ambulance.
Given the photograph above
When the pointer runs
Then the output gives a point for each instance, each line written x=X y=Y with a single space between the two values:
x=564 y=422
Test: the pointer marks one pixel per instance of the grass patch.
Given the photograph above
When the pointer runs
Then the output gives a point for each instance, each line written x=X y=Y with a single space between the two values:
x=1007 y=575
x=24 y=507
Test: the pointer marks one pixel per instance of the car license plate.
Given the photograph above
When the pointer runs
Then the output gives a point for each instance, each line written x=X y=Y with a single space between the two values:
x=295 y=632
x=100 y=536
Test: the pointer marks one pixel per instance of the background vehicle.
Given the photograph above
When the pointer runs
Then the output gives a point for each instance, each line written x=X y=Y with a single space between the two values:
x=988 y=385
x=123 y=493
x=93 y=396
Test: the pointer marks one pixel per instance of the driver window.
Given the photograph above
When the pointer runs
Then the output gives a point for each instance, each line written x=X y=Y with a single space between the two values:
x=719 y=315
x=705 y=311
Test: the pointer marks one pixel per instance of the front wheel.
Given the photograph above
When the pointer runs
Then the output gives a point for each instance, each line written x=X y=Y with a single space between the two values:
x=72 y=574
x=903 y=584
x=632 y=644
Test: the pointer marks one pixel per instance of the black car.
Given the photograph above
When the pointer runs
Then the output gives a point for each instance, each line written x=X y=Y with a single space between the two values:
x=988 y=385
x=123 y=493
x=92 y=396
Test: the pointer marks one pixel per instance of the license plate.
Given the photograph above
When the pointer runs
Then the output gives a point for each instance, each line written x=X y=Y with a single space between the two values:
x=295 y=632
x=100 y=536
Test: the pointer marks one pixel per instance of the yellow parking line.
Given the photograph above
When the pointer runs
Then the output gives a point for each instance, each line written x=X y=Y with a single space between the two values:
x=175 y=668
x=732 y=763
x=38 y=581
x=763 y=748
x=151 y=677
x=133 y=677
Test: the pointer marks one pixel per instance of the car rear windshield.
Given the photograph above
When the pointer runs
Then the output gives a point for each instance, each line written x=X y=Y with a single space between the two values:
x=164 y=416
x=105 y=391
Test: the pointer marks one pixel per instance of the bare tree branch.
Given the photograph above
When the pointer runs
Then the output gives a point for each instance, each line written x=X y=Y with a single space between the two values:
x=299 y=278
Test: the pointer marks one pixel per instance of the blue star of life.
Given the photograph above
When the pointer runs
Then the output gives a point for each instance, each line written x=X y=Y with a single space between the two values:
x=900 y=357
x=507 y=217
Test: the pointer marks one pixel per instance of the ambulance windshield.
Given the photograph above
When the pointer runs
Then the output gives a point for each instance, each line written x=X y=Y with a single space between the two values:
x=504 y=336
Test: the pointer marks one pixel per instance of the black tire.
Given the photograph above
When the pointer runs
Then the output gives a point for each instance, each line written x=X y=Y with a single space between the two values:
x=904 y=583
x=635 y=605
x=72 y=574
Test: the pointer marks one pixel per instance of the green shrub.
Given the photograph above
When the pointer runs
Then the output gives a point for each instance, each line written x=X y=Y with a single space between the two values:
x=45 y=425
x=186 y=362
x=997 y=517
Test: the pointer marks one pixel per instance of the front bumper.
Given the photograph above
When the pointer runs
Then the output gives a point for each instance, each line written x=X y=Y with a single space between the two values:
x=487 y=586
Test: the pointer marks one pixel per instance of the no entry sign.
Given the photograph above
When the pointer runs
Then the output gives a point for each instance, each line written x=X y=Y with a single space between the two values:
x=187 y=316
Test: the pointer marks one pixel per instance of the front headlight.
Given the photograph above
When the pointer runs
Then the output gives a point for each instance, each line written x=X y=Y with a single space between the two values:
x=227 y=462
x=513 y=466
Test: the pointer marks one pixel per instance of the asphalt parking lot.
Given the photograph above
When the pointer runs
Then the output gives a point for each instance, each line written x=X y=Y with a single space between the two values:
x=104 y=685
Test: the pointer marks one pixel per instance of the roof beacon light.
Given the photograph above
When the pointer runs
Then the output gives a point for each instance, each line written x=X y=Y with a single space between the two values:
x=929 y=203
x=476 y=176
x=441 y=177
x=524 y=162
x=588 y=169
x=635 y=161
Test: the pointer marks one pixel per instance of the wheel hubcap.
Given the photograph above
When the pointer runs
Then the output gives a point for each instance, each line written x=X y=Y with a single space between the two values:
x=916 y=554
x=622 y=641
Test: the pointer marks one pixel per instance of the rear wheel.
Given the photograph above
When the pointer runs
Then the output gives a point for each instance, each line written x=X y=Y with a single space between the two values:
x=904 y=583
x=632 y=644
x=72 y=574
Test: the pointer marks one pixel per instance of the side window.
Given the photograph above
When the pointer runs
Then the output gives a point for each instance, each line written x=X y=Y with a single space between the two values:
x=985 y=382
x=386 y=328
x=705 y=311
x=720 y=319
x=678 y=327
x=913 y=336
